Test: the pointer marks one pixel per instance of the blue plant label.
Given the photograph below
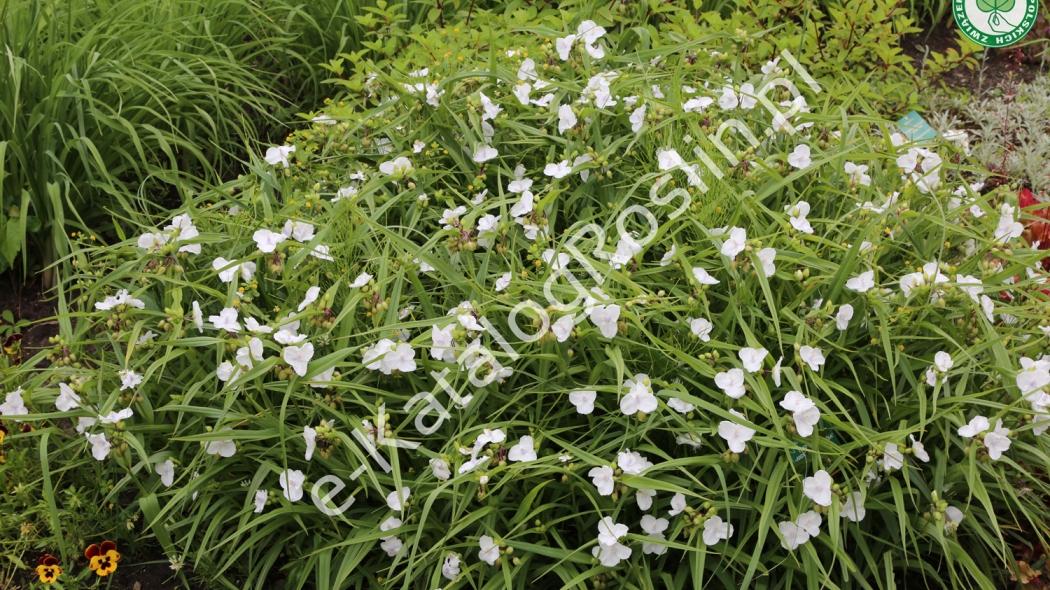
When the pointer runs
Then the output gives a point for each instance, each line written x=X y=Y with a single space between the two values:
x=915 y=128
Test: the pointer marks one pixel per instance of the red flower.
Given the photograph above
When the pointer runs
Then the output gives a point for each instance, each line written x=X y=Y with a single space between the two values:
x=1036 y=231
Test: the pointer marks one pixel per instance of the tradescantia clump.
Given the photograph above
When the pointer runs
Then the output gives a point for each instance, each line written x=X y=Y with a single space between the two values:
x=526 y=313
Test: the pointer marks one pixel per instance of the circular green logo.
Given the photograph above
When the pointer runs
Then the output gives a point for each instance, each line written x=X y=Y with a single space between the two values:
x=995 y=23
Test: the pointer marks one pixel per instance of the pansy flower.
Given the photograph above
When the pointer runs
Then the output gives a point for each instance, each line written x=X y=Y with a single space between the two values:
x=48 y=570
x=103 y=560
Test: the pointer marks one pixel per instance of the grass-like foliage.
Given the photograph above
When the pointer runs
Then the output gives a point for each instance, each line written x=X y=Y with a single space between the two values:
x=809 y=362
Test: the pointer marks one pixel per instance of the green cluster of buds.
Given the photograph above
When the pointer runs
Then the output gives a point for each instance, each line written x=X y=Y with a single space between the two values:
x=327 y=439
x=696 y=517
x=61 y=355
x=168 y=324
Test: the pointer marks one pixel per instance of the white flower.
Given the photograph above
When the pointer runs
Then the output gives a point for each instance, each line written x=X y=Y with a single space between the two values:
x=311 y=441
x=450 y=567
x=198 y=317
x=563 y=327
x=298 y=357
x=99 y=446
x=862 y=282
x=976 y=426
x=853 y=509
x=590 y=32
x=637 y=118
x=735 y=243
x=524 y=451
x=527 y=70
x=716 y=530
x=279 y=155
x=609 y=532
x=677 y=504
x=559 y=170
x=267 y=240
x=521 y=91
x=818 y=488
x=805 y=420
x=489 y=550
x=83 y=423
x=166 y=471
x=989 y=307
x=747 y=96
x=390 y=524
x=440 y=469
x=892 y=458
x=639 y=398
x=680 y=406
x=734 y=433
x=728 y=100
x=632 y=463
x=800 y=157
x=797 y=216
x=311 y=295
x=260 y=500
x=844 y=315
x=731 y=382
x=612 y=555
x=566 y=118
x=857 y=173
x=596 y=51
x=399 y=358
x=752 y=358
x=701 y=327
x=222 y=448
x=394 y=502
x=793 y=535
x=129 y=380
x=226 y=320
x=605 y=319
x=952 y=518
x=919 y=450
x=292 y=482
x=776 y=371
x=766 y=256
x=418 y=146
x=298 y=231
x=645 y=498
x=809 y=522
x=564 y=45
x=114 y=417
x=361 y=280
x=602 y=478
x=996 y=444
x=392 y=545
x=583 y=400
x=702 y=277
x=697 y=105
x=484 y=153
x=400 y=165
x=812 y=357
x=794 y=401
x=668 y=159
x=67 y=399
x=943 y=361
x=503 y=281
x=247 y=269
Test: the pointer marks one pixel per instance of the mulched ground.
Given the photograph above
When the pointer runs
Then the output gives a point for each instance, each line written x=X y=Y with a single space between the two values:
x=27 y=302
x=999 y=65
x=136 y=576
